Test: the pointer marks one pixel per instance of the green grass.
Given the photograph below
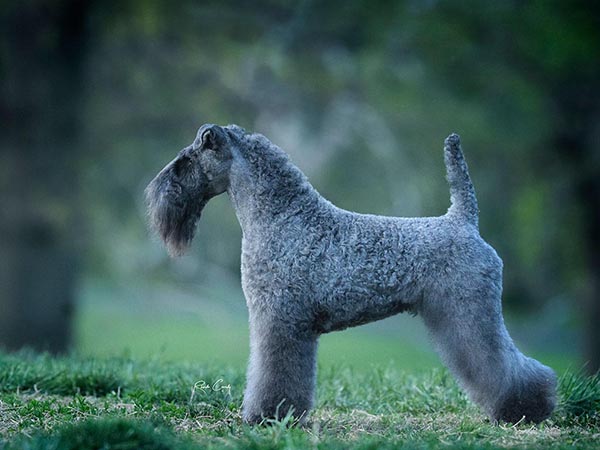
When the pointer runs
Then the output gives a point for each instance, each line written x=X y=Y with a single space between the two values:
x=177 y=339
x=124 y=403
x=195 y=325
x=188 y=322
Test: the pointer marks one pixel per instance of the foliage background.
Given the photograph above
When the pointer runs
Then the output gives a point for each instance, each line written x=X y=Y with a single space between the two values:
x=98 y=96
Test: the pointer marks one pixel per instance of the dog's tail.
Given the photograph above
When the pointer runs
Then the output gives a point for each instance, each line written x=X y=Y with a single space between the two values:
x=462 y=193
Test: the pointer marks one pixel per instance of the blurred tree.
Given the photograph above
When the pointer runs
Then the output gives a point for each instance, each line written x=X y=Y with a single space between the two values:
x=41 y=59
x=570 y=70
x=545 y=50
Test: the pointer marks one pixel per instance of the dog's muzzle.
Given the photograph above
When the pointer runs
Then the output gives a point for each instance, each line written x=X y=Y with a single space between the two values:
x=175 y=199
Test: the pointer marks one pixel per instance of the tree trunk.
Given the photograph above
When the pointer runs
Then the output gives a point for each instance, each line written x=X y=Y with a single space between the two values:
x=578 y=103
x=41 y=69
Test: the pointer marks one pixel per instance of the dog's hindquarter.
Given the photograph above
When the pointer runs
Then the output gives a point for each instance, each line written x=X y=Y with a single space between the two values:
x=400 y=261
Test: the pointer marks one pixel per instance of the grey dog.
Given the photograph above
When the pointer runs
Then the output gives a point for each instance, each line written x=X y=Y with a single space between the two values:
x=309 y=268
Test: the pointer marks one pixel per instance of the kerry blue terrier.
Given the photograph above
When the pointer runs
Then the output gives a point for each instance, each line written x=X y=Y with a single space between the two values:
x=309 y=268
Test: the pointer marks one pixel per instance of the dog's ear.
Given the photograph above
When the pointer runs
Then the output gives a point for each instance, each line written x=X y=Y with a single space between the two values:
x=209 y=139
x=213 y=137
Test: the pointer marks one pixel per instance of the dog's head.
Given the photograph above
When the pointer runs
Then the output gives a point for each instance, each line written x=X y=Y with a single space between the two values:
x=176 y=196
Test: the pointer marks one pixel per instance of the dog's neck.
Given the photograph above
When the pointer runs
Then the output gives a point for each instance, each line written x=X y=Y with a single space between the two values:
x=265 y=187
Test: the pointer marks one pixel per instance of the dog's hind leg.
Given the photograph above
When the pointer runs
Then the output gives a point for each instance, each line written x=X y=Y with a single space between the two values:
x=465 y=321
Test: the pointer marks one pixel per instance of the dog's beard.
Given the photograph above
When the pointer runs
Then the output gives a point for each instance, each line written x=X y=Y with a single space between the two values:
x=173 y=213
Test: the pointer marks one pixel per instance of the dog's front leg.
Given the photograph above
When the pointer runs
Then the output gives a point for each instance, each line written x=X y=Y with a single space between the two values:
x=282 y=368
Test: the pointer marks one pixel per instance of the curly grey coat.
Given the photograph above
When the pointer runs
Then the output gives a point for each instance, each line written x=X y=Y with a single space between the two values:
x=309 y=268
